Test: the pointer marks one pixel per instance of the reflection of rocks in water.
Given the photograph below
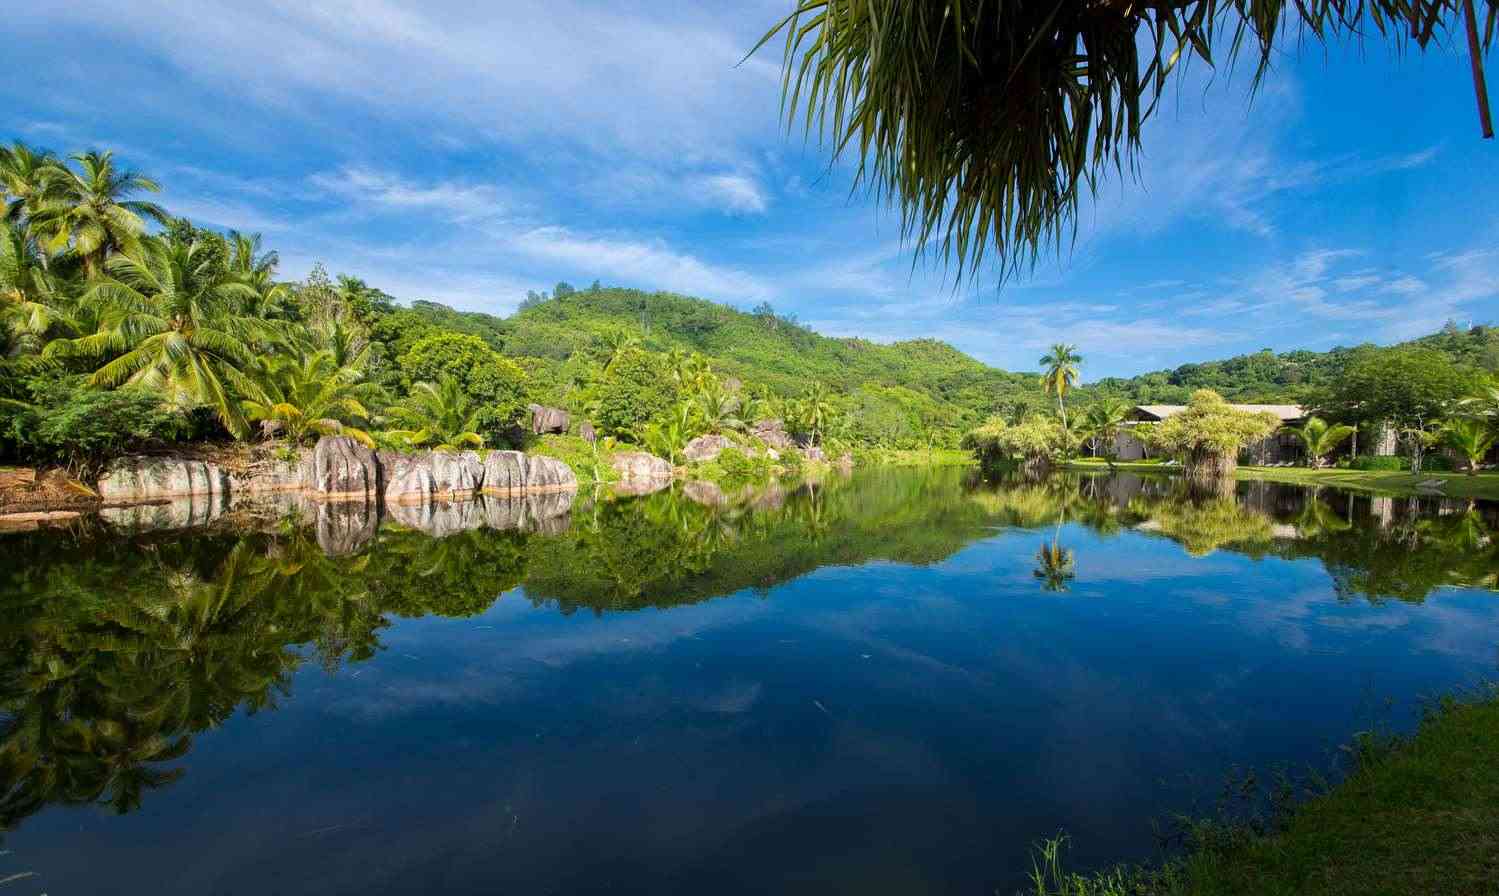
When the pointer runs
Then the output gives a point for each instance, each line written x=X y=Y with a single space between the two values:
x=345 y=527
x=548 y=514
x=705 y=493
x=177 y=513
x=631 y=488
x=771 y=497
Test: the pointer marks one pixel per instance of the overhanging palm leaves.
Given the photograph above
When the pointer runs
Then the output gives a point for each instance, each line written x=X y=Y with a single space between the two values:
x=987 y=121
x=169 y=320
x=1469 y=437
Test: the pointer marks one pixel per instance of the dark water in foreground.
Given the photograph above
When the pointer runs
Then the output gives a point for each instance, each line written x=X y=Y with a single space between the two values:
x=889 y=684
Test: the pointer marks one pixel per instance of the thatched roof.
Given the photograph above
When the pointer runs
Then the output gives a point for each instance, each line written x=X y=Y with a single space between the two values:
x=1285 y=412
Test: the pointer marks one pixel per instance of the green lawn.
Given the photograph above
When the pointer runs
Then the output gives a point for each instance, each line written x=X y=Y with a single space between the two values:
x=1419 y=816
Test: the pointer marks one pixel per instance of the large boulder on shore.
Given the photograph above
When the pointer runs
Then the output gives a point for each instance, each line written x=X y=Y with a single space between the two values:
x=706 y=448
x=773 y=434
x=514 y=473
x=640 y=465
x=428 y=475
x=274 y=473
x=545 y=419
x=147 y=478
x=340 y=467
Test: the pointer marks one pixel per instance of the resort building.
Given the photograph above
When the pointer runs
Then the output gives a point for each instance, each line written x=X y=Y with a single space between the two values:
x=1279 y=447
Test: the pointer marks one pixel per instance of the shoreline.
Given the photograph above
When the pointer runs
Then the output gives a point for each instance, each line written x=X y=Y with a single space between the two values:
x=1376 y=482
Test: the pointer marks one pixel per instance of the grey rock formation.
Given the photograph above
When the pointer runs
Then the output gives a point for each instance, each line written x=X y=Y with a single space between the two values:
x=706 y=448
x=587 y=432
x=340 y=467
x=505 y=472
x=814 y=452
x=273 y=474
x=773 y=434
x=548 y=474
x=545 y=419
x=431 y=475
x=147 y=478
x=640 y=465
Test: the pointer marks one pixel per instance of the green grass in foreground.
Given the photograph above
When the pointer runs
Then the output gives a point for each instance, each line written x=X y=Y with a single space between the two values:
x=1417 y=816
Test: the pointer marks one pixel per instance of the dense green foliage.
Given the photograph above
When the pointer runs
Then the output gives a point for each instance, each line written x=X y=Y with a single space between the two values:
x=200 y=321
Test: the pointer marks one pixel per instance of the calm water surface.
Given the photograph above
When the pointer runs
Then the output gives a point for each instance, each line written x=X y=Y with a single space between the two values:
x=891 y=684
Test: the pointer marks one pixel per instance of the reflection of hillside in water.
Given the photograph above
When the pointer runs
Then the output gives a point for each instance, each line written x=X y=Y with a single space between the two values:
x=117 y=649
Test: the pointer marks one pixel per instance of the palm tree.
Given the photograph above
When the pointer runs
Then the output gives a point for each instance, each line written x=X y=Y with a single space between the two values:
x=33 y=304
x=1320 y=439
x=716 y=408
x=311 y=394
x=816 y=411
x=438 y=415
x=1470 y=437
x=1104 y=419
x=89 y=209
x=1061 y=373
x=23 y=178
x=989 y=122
x=257 y=269
x=1055 y=565
x=171 y=318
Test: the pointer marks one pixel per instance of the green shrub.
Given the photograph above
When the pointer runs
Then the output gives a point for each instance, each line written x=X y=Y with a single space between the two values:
x=1437 y=463
x=70 y=423
x=1381 y=464
x=587 y=464
x=496 y=383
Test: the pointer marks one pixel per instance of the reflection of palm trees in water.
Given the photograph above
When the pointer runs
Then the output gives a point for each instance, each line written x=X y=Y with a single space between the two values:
x=1055 y=565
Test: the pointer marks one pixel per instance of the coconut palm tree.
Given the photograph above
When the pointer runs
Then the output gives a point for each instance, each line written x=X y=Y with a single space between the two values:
x=169 y=319
x=987 y=123
x=716 y=408
x=1103 y=420
x=1469 y=437
x=34 y=306
x=1060 y=374
x=23 y=178
x=1320 y=439
x=815 y=412
x=310 y=394
x=256 y=268
x=88 y=209
x=440 y=416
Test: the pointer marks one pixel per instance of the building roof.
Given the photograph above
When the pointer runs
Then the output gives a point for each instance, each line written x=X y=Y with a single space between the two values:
x=1285 y=412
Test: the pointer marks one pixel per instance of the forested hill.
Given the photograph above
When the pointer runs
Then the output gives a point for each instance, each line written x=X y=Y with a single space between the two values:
x=926 y=375
x=1297 y=376
x=921 y=379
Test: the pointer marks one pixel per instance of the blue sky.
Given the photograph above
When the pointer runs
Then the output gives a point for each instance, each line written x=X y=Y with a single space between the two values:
x=465 y=157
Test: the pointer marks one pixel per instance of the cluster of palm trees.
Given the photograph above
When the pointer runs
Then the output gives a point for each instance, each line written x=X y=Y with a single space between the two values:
x=713 y=405
x=195 y=318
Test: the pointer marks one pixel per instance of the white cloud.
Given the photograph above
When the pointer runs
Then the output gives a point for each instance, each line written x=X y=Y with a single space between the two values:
x=455 y=200
x=652 y=264
x=735 y=192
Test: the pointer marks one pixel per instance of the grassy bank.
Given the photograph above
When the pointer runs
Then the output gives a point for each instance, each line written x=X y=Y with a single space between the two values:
x=1455 y=485
x=919 y=457
x=1397 y=484
x=1418 y=815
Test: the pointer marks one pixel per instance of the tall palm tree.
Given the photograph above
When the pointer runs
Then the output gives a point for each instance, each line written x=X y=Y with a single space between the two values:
x=23 y=178
x=1320 y=439
x=1470 y=437
x=1060 y=374
x=716 y=408
x=169 y=319
x=438 y=415
x=816 y=412
x=988 y=123
x=311 y=394
x=256 y=268
x=89 y=209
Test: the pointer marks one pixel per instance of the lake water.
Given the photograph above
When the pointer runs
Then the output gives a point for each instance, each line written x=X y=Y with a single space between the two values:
x=888 y=684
